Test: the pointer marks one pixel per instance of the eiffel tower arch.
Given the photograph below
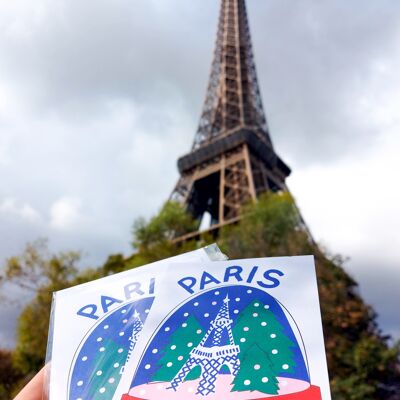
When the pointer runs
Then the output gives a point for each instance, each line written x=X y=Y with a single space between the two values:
x=216 y=349
x=232 y=160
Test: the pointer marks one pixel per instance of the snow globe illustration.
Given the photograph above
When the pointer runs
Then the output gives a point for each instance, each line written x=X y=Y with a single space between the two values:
x=100 y=359
x=232 y=342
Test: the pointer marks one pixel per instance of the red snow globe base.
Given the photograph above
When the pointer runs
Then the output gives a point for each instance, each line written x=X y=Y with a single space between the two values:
x=290 y=389
x=312 y=393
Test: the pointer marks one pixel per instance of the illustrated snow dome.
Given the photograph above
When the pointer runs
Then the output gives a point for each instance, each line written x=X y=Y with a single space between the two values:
x=99 y=362
x=233 y=342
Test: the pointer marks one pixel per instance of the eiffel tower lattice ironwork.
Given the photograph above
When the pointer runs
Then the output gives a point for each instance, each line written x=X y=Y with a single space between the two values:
x=216 y=349
x=232 y=159
x=137 y=328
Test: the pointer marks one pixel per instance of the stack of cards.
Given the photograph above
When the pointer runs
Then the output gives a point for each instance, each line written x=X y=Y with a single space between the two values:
x=192 y=327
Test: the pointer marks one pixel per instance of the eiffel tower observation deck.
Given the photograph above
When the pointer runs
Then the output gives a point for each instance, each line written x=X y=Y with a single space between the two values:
x=232 y=160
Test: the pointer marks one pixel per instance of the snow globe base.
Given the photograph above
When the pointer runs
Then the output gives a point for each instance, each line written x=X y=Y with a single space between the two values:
x=290 y=389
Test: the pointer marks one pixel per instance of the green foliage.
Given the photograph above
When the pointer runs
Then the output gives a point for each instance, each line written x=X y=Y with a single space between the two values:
x=153 y=239
x=36 y=267
x=39 y=271
x=361 y=363
x=8 y=374
x=171 y=222
x=271 y=227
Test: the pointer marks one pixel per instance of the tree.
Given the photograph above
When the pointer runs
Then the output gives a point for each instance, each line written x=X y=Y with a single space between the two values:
x=9 y=375
x=171 y=222
x=36 y=267
x=104 y=377
x=272 y=227
x=257 y=325
x=37 y=271
x=177 y=351
x=153 y=239
x=256 y=372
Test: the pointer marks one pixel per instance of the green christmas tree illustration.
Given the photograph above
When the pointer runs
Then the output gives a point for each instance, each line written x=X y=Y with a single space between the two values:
x=258 y=326
x=106 y=370
x=177 y=351
x=256 y=373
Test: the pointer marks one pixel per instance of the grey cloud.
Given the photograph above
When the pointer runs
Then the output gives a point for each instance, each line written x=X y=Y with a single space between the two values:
x=101 y=98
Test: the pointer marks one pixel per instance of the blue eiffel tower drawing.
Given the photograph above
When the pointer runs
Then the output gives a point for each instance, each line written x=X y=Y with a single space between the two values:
x=216 y=349
x=136 y=329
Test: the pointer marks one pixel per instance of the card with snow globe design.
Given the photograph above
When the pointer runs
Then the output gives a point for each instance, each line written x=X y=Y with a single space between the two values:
x=95 y=327
x=240 y=330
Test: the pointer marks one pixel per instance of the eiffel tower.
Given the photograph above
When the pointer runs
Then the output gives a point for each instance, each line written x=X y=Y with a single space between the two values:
x=232 y=160
x=136 y=330
x=216 y=349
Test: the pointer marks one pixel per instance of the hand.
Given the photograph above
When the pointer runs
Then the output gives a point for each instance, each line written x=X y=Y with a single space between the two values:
x=34 y=389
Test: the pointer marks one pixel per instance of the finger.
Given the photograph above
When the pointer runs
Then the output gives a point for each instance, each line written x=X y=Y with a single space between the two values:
x=34 y=389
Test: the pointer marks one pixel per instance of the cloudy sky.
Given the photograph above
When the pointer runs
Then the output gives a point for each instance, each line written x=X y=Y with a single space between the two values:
x=99 y=98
